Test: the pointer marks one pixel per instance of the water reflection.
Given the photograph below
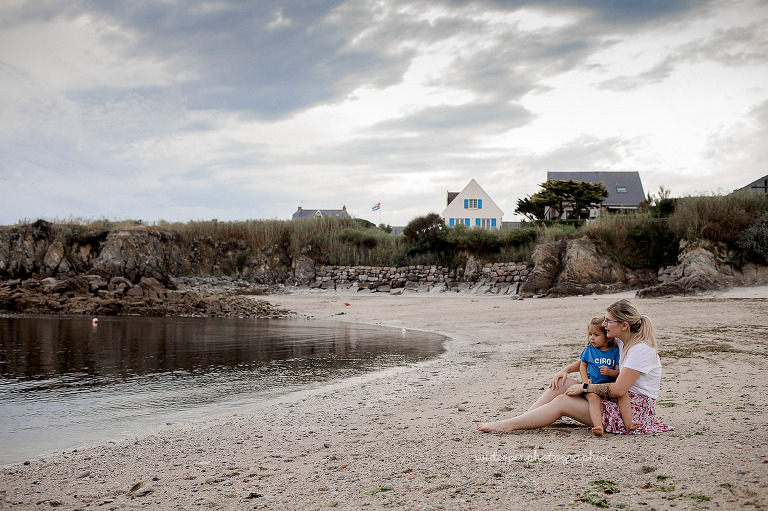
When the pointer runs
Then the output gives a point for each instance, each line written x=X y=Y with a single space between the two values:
x=65 y=381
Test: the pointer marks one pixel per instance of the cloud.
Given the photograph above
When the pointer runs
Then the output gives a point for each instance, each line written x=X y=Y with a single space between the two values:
x=732 y=47
x=190 y=108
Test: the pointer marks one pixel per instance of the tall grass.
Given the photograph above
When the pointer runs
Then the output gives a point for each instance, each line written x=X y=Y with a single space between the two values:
x=717 y=218
x=636 y=241
x=642 y=240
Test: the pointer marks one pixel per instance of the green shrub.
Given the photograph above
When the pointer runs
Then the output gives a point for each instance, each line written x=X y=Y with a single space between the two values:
x=475 y=240
x=519 y=237
x=752 y=243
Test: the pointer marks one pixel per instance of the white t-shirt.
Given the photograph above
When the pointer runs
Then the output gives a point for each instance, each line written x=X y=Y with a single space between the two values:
x=643 y=358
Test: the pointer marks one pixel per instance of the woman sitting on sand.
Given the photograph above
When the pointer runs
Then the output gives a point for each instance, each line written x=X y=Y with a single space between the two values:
x=639 y=376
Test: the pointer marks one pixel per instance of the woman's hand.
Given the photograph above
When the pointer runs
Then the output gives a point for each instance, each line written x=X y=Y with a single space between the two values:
x=559 y=379
x=574 y=390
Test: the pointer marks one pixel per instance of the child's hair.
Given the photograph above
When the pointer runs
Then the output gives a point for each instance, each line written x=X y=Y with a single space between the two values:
x=597 y=324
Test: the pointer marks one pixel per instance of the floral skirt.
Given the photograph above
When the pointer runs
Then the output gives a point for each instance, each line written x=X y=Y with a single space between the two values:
x=643 y=411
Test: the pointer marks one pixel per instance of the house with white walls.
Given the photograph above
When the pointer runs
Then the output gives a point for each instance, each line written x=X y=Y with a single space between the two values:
x=472 y=207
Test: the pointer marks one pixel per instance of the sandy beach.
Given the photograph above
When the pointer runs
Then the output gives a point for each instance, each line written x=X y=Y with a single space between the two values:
x=405 y=438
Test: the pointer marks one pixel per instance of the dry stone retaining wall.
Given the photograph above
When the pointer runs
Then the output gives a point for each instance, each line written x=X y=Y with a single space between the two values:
x=495 y=278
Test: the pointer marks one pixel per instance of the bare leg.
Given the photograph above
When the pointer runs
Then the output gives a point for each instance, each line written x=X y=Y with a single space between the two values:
x=570 y=406
x=625 y=409
x=595 y=413
x=550 y=394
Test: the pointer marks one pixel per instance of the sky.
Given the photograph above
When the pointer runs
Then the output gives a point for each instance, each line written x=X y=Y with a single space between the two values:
x=181 y=110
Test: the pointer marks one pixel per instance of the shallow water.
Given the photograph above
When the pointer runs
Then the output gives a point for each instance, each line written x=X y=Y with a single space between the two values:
x=66 y=382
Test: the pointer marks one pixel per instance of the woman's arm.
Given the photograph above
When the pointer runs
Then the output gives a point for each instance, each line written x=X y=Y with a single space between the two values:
x=620 y=387
x=563 y=373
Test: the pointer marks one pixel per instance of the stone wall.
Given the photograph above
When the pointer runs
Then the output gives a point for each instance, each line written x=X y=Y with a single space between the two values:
x=495 y=278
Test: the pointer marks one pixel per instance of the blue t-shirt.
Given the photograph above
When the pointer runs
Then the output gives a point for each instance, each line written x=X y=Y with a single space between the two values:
x=596 y=358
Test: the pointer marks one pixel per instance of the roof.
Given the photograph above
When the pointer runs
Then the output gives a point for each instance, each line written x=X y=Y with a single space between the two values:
x=759 y=185
x=310 y=213
x=472 y=191
x=624 y=188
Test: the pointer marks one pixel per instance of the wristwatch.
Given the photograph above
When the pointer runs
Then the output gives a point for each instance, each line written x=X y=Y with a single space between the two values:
x=584 y=386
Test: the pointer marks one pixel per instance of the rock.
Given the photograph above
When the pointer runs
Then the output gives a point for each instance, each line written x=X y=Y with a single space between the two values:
x=140 y=489
x=54 y=260
x=151 y=288
x=547 y=263
x=471 y=270
x=439 y=288
x=696 y=272
x=577 y=267
x=303 y=269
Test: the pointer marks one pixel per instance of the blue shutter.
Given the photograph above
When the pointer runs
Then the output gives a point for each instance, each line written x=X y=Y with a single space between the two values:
x=466 y=222
x=466 y=203
x=477 y=222
x=493 y=222
x=479 y=203
x=452 y=221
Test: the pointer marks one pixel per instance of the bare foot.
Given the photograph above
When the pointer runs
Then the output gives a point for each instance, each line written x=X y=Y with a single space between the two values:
x=633 y=427
x=488 y=427
x=597 y=430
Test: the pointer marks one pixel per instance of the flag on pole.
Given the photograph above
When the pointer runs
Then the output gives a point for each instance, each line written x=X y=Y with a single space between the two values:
x=376 y=207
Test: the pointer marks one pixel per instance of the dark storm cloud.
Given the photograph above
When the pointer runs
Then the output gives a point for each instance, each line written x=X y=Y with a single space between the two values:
x=269 y=58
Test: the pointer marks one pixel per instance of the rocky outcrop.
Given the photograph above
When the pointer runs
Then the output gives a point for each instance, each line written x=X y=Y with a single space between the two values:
x=94 y=295
x=547 y=261
x=577 y=267
x=43 y=249
x=54 y=268
x=699 y=270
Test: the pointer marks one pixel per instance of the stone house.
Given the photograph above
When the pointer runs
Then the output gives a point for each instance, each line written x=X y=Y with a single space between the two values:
x=472 y=207
x=319 y=213
x=625 y=190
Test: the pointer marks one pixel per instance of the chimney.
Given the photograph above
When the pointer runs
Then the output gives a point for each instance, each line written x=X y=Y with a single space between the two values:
x=299 y=208
x=344 y=208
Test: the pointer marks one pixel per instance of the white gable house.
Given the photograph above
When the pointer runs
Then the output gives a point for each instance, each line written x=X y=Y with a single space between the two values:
x=472 y=207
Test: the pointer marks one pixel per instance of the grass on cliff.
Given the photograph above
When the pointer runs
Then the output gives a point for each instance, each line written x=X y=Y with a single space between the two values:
x=649 y=238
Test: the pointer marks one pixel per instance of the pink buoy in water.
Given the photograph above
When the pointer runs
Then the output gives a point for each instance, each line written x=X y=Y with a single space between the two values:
x=95 y=321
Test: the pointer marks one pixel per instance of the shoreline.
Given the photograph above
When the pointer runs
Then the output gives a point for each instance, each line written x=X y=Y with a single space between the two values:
x=408 y=441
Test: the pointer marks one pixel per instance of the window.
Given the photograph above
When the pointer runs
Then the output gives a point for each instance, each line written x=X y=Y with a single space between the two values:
x=470 y=203
x=621 y=189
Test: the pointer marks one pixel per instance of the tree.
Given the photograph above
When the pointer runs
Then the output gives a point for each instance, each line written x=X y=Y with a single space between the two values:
x=574 y=198
x=530 y=209
x=426 y=234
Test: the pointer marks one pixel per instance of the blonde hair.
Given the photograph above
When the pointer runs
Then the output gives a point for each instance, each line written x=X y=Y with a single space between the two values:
x=598 y=323
x=640 y=326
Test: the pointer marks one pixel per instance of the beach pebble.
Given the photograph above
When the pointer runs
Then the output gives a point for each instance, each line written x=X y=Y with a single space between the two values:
x=140 y=489
x=462 y=408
